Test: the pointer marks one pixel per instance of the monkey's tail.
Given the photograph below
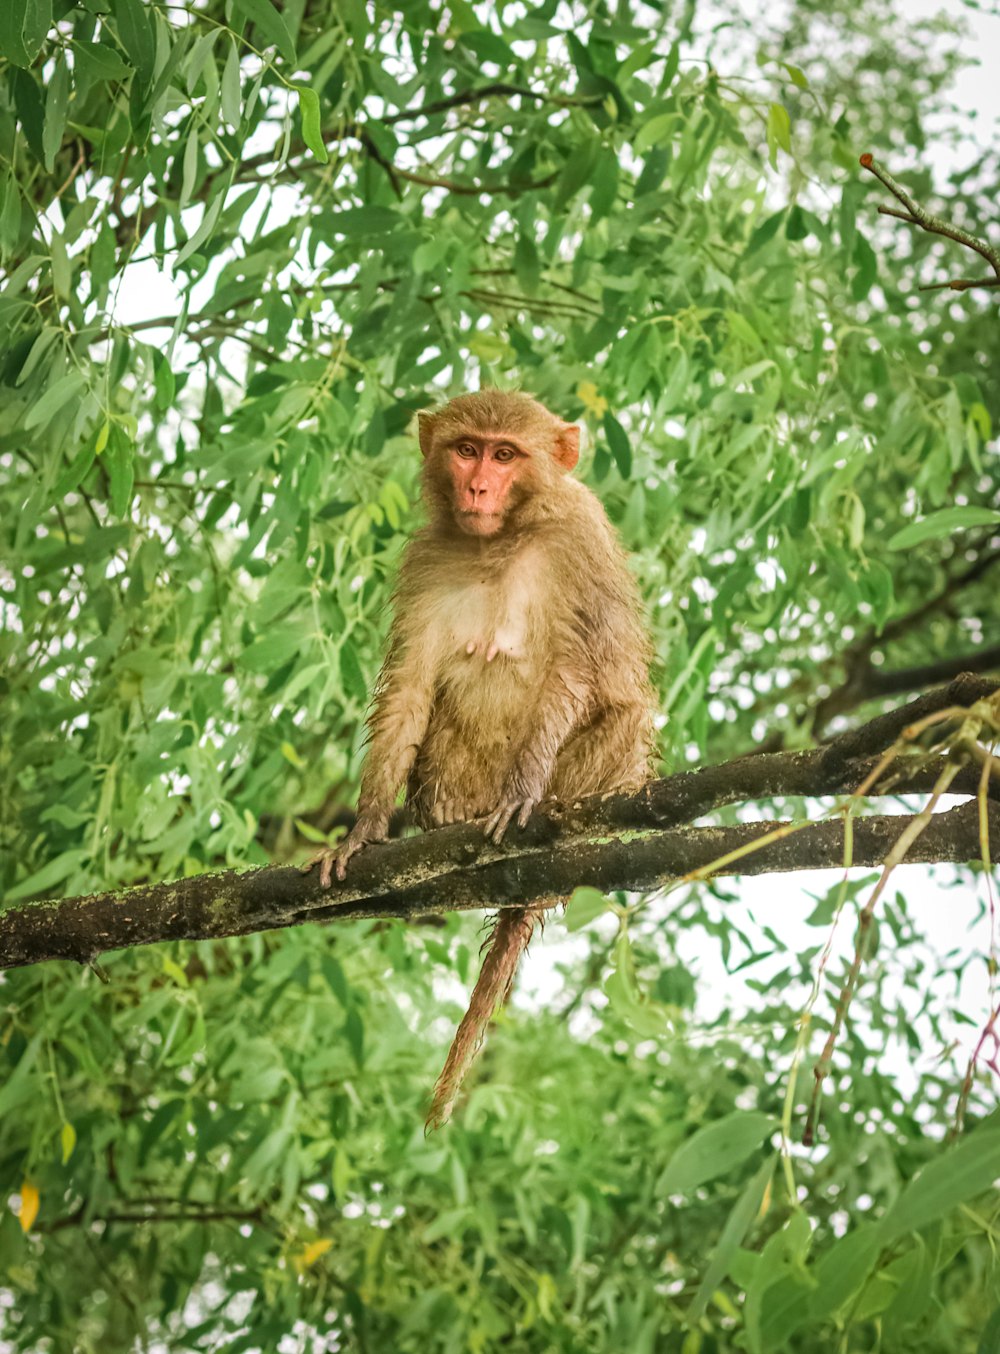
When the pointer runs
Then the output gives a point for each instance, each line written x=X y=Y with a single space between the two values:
x=511 y=932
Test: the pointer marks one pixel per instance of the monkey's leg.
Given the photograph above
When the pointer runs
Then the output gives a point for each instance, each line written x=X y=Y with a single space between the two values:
x=611 y=753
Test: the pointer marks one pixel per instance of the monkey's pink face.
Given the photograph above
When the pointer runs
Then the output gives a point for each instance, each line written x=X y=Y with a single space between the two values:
x=484 y=470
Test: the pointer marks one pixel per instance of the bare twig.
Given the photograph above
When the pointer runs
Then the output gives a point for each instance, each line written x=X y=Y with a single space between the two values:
x=916 y=215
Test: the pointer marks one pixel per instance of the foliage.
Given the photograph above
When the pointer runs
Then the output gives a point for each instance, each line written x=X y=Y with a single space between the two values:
x=242 y=243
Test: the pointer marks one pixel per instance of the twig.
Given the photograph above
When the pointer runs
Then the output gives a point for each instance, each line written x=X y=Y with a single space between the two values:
x=935 y=225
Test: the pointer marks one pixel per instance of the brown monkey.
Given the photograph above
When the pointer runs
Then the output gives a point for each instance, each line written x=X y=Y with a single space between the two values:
x=517 y=665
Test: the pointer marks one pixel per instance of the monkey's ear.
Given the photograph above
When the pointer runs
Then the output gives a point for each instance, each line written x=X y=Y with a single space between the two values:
x=566 y=445
x=425 y=425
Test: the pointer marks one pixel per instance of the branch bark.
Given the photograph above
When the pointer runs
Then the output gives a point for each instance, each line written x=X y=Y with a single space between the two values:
x=915 y=215
x=636 y=841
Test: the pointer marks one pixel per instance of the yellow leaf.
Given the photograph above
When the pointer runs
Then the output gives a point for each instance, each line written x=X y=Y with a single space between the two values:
x=765 y=1203
x=174 y=970
x=594 y=403
x=308 y=1255
x=68 y=1139
x=29 y=1206
x=290 y=755
x=102 y=437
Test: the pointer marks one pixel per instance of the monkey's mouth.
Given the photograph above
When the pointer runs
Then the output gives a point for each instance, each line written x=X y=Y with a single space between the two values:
x=480 y=523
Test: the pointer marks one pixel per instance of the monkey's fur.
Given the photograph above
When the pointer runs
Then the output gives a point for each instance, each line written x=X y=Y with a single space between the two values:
x=517 y=665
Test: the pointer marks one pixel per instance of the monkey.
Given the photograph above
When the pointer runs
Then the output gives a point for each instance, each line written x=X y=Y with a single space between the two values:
x=517 y=665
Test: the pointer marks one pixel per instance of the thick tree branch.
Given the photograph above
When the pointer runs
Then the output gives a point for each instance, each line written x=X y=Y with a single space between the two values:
x=635 y=841
x=454 y=869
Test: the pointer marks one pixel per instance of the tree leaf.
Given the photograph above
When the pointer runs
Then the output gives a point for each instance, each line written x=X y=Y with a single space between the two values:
x=119 y=460
x=230 y=90
x=737 y=1225
x=312 y=132
x=50 y=874
x=56 y=105
x=942 y=524
x=29 y=1206
x=844 y=1269
x=135 y=29
x=67 y=1141
x=584 y=905
x=714 y=1150
x=952 y=1177
x=621 y=448
x=270 y=25
x=24 y=25
x=59 y=393
x=779 y=132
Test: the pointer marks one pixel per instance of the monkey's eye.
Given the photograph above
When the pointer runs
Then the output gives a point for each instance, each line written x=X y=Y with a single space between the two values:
x=504 y=454
x=466 y=450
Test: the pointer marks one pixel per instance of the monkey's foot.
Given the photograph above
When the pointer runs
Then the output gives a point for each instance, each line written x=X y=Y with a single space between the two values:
x=452 y=811
x=499 y=820
x=326 y=860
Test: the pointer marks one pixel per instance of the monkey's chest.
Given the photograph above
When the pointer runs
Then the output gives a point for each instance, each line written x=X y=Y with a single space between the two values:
x=485 y=629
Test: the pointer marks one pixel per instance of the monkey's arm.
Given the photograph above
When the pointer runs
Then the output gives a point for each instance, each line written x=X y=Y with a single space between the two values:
x=397 y=725
x=563 y=705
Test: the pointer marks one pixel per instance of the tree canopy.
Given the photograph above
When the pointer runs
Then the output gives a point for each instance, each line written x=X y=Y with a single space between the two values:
x=241 y=244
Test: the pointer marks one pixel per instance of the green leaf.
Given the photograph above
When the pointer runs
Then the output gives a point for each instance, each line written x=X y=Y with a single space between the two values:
x=135 y=29
x=56 y=104
x=989 y=1341
x=844 y=1269
x=367 y=220
x=351 y=674
x=312 y=132
x=782 y=1261
x=270 y=25
x=10 y=217
x=24 y=25
x=867 y=261
x=714 y=1150
x=67 y=1141
x=119 y=460
x=621 y=448
x=798 y=77
x=229 y=90
x=48 y=876
x=30 y=110
x=779 y=132
x=56 y=395
x=584 y=905
x=737 y=1225
x=163 y=381
x=952 y=1177
x=659 y=130
x=942 y=524
x=526 y=263
x=99 y=61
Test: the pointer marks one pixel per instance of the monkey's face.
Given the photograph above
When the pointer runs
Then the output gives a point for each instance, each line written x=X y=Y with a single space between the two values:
x=488 y=476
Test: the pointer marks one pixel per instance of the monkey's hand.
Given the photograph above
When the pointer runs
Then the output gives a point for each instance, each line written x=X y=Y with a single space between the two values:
x=499 y=820
x=333 y=859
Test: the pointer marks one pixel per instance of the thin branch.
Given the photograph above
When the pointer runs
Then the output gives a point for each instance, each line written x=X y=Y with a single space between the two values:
x=863 y=681
x=962 y=284
x=935 y=225
x=472 y=96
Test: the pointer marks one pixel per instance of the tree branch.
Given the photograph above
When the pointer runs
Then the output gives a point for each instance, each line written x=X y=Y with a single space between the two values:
x=863 y=681
x=634 y=841
x=915 y=215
